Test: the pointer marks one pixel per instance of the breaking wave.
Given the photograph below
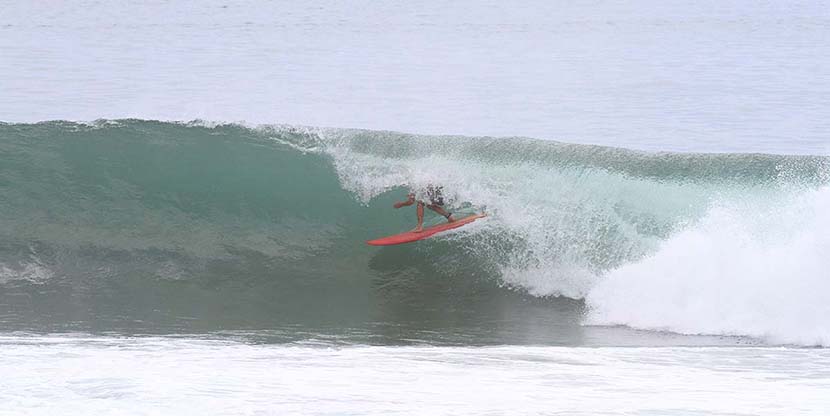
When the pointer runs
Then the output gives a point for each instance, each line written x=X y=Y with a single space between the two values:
x=692 y=243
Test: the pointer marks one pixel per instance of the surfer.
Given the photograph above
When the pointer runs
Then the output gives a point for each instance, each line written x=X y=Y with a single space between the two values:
x=436 y=202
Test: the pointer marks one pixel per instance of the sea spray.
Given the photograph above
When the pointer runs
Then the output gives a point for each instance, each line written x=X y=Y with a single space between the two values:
x=762 y=270
x=234 y=215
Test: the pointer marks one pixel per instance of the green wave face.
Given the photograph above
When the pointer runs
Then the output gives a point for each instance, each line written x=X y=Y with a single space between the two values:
x=162 y=221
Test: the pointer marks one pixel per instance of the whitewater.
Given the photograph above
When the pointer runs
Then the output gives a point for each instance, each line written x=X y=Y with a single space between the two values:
x=300 y=379
x=186 y=189
x=712 y=244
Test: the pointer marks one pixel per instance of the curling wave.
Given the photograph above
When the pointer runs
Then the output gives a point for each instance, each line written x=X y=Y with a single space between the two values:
x=695 y=243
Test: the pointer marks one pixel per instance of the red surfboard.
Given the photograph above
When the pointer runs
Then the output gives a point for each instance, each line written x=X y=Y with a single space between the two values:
x=411 y=236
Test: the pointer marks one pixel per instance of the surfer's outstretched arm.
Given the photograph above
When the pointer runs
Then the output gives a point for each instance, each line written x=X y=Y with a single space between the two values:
x=409 y=201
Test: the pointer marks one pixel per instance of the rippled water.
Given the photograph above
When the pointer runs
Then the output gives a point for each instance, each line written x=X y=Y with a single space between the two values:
x=736 y=76
x=663 y=76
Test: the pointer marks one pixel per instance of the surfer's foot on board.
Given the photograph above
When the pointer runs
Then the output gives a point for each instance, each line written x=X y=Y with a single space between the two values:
x=417 y=229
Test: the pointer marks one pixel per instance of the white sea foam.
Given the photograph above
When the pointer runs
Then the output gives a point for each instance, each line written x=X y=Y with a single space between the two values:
x=46 y=375
x=737 y=77
x=693 y=256
x=32 y=272
x=756 y=270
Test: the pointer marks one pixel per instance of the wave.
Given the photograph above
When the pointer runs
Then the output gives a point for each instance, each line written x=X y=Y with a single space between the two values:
x=697 y=243
x=740 y=270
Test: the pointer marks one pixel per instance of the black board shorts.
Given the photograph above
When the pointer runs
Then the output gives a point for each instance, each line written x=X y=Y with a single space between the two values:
x=435 y=196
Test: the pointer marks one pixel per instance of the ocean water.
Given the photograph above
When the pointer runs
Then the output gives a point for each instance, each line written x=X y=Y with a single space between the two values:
x=719 y=76
x=186 y=189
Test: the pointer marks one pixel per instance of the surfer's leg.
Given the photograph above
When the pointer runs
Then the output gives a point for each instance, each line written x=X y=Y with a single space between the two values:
x=420 y=211
x=409 y=201
x=442 y=212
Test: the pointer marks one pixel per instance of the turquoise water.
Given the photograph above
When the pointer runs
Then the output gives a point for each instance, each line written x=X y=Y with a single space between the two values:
x=154 y=227
x=655 y=176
